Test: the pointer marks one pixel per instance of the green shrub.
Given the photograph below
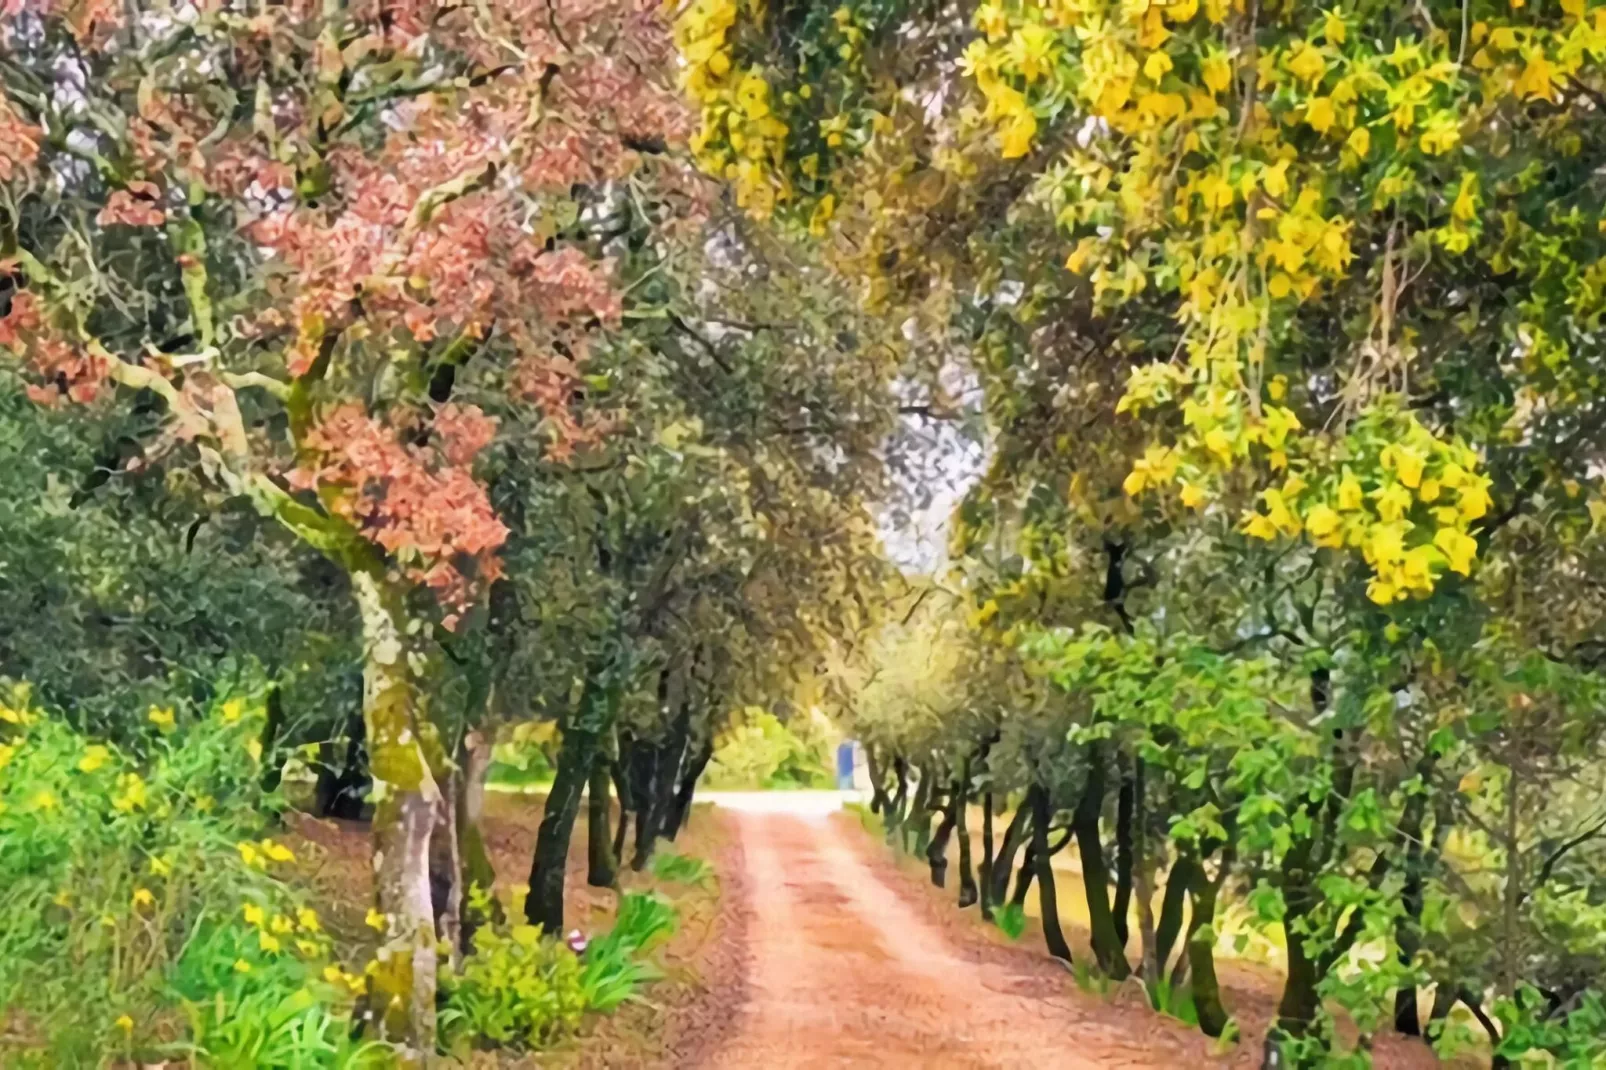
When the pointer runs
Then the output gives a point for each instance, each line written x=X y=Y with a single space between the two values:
x=763 y=753
x=613 y=969
x=518 y=989
x=1011 y=920
x=146 y=914
x=681 y=869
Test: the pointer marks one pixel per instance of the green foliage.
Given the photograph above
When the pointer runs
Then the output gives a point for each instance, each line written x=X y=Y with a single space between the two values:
x=146 y=911
x=762 y=752
x=518 y=989
x=523 y=990
x=1176 y=1002
x=681 y=869
x=1011 y=920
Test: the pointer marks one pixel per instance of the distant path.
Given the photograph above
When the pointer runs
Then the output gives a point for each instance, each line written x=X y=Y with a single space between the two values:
x=845 y=972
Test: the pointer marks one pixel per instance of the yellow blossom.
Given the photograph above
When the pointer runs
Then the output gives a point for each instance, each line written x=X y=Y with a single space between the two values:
x=1381 y=591
x=1392 y=502
x=160 y=867
x=253 y=747
x=232 y=710
x=1324 y=525
x=331 y=974
x=1193 y=497
x=1474 y=500
x=282 y=924
x=278 y=852
x=94 y=757
x=241 y=966
x=1319 y=114
x=248 y=853
x=307 y=948
x=162 y=718
x=124 y=1022
x=1260 y=527
x=143 y=898
x=307 y=918
x=253 y=914
x=44 y=800
x=268 y=942
x=375 y=919
x=1458 y=547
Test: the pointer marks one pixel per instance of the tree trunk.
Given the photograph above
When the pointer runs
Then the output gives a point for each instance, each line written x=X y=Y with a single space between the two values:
x=1202 y=954
x=1047 y=902
x=478 y=872
x=405 y=750
x=1095 y=877
x=668 y=758
x=543 y=907
x=1172 y=907
x=1023 y=879
x=627 y=801
x=446 y=869
x=1125 y=800
x=967 y=878
x=687 y=789
x=601 y=870
x=987 y=856
x=644 y=789
x=878 y=791
x=1004 y=865
x=937 y=851
x=1143 y=883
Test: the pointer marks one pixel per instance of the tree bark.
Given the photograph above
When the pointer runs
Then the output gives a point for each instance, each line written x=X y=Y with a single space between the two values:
x=1095 y=877
x=543 y=907
x=601 y=869
x=627 y=800
x=446 y=868
x=405 y=750
x=668 y=758
x=644 y=788
x=1178 y=881
x=478 y=872
x=1004 y=865
x=878 y=791
x=1202 y=954
x=937 y=851
x=987 y=855
x=968 y=893
x=1125 y=801
x=688 y=788
x=1040 y=853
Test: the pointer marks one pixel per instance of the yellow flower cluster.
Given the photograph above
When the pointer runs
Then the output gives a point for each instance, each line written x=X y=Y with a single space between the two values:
x=740 y=138
x=258 y=855
x=1407 y=507
x=274 y=929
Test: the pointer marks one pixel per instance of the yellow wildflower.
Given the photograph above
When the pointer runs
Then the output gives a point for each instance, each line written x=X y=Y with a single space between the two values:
x=94 y=757
x=1392 y=502
x=268 y=942
x=160 y=867
x=1260 y=527
x=282 y=924
x=331 y=974
x=1324 y=525
x=307 y=918
x=248 y=853
x=143 y=898
x=232 y=710
x=1458 y=547
x=1193 y=497
x=375 y=919
x=278 y=852
x=124 y=1022
x=44 y=800
x=253 y=914
x=161 y=717
x=241 y=966
x=1474 y=501
x=307 y=948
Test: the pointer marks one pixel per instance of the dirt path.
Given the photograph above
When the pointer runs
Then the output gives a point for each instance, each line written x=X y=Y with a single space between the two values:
x=843 y=972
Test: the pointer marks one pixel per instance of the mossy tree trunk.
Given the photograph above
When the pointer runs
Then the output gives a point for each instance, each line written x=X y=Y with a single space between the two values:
x=601 y=867
x=404 y=757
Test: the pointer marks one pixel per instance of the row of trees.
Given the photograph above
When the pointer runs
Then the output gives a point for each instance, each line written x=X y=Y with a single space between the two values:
x=1280 y=580
x=392 y=348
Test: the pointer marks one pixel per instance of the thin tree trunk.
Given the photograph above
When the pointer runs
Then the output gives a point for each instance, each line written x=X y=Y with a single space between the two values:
x=1023 y=879
x=1004 y=865
x=478 y=872
x=1143 y=883
x=1095 y=877
x=621 y=783
x=987 y=855
x=688 y=788
x=967 y=877
x=1047 y=901
x=543 y=906
x=1125 y=801
x=644 y=786
x=404 y=749
x=668 y=758
x=1172 y=907
x=878 y=791
x=937 y=851
x=601 y=869
x=1202 y=954
x=446 y=869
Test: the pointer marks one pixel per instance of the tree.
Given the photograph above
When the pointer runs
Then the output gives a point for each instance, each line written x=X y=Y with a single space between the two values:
x=316 y=237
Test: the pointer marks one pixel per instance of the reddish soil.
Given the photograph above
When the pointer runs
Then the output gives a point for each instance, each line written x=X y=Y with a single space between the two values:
x=846 y=971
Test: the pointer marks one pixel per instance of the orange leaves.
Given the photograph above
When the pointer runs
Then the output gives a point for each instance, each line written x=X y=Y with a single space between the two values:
x=137 y=206
x=419 y=503
x=19 y=142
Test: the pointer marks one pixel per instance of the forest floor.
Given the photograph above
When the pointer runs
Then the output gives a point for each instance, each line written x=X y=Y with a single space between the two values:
x=818 y=946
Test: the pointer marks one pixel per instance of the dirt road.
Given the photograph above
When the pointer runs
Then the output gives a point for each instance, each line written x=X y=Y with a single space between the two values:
x=843 y=970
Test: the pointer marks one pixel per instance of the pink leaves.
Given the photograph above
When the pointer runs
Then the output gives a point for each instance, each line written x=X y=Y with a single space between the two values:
x=419 y=503
x=63 y=368
x=19 y=142
x=137 y=206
